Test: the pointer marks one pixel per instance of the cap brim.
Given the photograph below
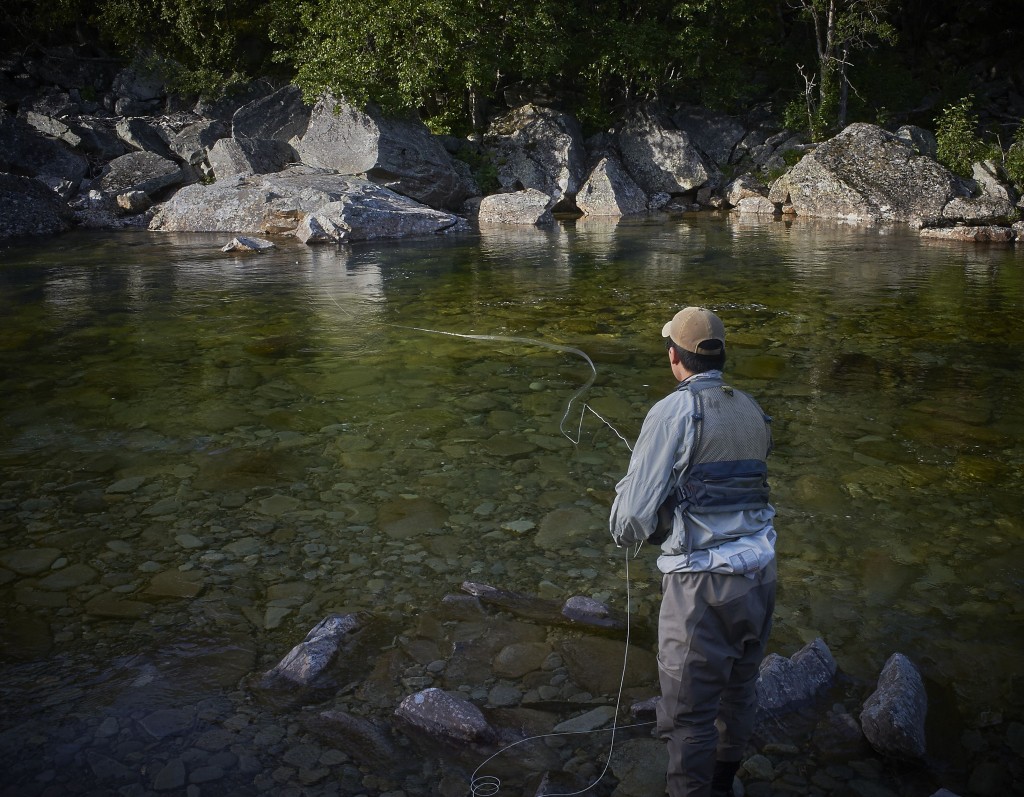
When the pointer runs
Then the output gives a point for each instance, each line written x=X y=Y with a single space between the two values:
x=666 y=331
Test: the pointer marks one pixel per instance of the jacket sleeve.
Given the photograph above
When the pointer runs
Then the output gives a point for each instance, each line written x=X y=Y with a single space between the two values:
x=660 y=449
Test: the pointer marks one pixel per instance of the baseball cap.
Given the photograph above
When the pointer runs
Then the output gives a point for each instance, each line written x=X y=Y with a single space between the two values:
x=696 y=330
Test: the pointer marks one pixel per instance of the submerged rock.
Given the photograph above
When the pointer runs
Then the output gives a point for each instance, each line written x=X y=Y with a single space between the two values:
x=893 y=717
x=786 y=684
x=308 y=660
x=439 y=714
x=247 y=244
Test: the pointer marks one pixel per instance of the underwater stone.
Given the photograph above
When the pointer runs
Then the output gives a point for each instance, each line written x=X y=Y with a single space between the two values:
x=785 y=684
x=440 y=714
x=893 y=716
x=307 y=660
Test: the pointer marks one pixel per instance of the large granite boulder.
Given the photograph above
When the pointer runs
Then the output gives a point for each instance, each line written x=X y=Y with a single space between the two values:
x=399 y=154
x=280 y=116
x=660 y=158
x=27 y=207
x=610 y=191
x=893 y=717
x=192 y=144
x=230 y=156
x=140 y=171
x=279 y=203
x=714 y=134
x=521 y=207
x=374 y=213
x=26 y=151
x=539 y=148
x=143 y=135
x=866 y=174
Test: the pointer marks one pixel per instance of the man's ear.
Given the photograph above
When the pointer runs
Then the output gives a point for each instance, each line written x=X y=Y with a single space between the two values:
x=673 y=355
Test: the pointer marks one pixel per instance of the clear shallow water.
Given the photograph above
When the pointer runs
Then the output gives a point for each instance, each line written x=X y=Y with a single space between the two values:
x=204 y=454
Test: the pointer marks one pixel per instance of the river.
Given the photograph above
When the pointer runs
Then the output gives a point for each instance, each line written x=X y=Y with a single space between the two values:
x=203 y=454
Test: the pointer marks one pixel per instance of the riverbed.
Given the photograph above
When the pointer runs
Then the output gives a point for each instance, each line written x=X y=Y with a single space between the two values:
x=203 y=454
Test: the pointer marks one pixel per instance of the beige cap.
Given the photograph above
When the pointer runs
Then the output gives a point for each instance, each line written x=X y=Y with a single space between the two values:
x=697 y=331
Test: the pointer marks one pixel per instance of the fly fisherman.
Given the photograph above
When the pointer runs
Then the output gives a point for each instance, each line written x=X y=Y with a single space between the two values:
x=699 y=465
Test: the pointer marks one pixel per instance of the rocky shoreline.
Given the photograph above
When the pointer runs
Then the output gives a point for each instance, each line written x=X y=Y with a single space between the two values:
x=263 y=162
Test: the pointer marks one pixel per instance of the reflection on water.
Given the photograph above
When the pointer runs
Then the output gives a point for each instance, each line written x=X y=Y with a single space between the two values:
x=203 y=454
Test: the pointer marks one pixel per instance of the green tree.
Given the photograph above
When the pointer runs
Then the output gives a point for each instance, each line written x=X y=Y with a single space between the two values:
x=439 y=57
x=201 y=45
x=841 y=27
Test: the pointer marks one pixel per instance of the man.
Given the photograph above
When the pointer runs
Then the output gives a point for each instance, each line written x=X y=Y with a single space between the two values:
x=699 y=465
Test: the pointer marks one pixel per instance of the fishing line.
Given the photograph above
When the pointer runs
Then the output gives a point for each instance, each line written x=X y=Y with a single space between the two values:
x=529 y=342
x=554 y=347
x=488 y=785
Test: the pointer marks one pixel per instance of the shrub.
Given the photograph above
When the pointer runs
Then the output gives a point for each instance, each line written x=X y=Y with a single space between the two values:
x=1013 y=161
x=959 y=145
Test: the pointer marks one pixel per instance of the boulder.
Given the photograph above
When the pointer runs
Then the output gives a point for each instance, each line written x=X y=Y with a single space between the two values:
x=27 y=152
x=522 y=207
x=660 y=158
x=399 y=154
x=371 y=214
x=447 y=718
x=714 y=134
x=193 y=143
x=224 y=107
x=230 y=156
x=143 y=135
x=538 y=148
x=27 y=207
x=784 y=685
x=893 y=717
x=245 y=243
x=745 y=186
x=140 y=171
x=756 y=206
x=97 y=139
x=279 y=203
x=920 y=139
x=866 y=174
x=280 y=116
x=306 y=662
x=610 y=191
x=134 y=202
x=979 y=211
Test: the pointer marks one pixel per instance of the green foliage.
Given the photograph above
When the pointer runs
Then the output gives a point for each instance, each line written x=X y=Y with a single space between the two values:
x=435 y=56
x=956 y=133
x=1013 y=160
x=199 y=46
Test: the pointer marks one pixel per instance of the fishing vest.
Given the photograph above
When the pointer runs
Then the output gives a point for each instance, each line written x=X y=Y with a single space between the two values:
x=727 y=470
